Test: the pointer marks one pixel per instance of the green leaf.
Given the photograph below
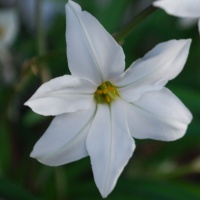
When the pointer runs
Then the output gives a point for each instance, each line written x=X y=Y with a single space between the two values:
x=31 y=118
x=12 y=191
x=141 y=189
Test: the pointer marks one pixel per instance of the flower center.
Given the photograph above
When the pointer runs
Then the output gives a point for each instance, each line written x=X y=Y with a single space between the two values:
x=106 y=93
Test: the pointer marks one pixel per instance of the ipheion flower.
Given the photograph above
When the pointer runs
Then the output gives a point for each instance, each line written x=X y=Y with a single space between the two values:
x=99 y=108
x=181 y=8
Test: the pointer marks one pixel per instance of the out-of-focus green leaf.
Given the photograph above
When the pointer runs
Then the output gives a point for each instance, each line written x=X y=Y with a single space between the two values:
x=189 y=96
x=5 y=149
x=31 y=118
x=111 y=15
x=12 y=191
x=141 y=189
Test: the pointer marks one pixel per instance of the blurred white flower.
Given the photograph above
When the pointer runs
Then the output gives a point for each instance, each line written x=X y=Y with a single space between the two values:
x=7 y=2
x=181 y=8
x=8 y=27
x=99 y=108
x=49 y=10
x=187 y=23
x=8 y=31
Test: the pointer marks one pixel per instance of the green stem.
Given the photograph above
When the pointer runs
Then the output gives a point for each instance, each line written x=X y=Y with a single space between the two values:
x=48 y=55
x=134 y=22
x=40 y=35
x=41 y=42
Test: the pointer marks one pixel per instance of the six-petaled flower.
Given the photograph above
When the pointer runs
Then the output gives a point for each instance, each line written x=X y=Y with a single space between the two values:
x=100 y=108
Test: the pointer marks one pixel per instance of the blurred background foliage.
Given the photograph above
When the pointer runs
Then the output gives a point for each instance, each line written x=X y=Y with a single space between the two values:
x=158 y=170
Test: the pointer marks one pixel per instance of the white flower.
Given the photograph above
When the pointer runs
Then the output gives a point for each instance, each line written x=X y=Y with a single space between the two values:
x=49 y=10
x=186 y=23
x=8 y=32
x=181 y=8
x=99 y=108
x=8 y=27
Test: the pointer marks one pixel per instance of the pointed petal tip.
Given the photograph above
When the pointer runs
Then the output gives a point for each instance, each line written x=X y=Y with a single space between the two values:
x=188 y=41
x=184 y=41
x=159 y=4
x=32 y=154
x=156 y=3
x=26 y=103
x=104 y=195
x=41 y=159
x=30 y=104
x=71 y=4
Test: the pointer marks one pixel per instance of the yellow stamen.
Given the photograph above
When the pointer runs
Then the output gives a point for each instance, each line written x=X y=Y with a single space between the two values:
x=105 y=91
x=109 y=88
x=99 y=91
x=108 y=99
x=113 y=90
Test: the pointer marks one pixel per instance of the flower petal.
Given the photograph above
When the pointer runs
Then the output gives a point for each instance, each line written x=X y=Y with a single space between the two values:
x=158 y=115
x=180 y=8
x=163 y=63
x=109 y=145
x=65 y=139
x=61 y=95
x=92 y=52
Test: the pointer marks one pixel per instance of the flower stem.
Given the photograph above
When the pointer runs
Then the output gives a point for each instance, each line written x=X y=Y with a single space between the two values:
x=41 y=42
x=40 y=35
x=134 y=22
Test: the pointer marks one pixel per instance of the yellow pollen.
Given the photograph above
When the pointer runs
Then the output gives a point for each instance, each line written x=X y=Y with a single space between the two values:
x=109 y=88
x=113 y=90
x=99 y=91
x=106 y=93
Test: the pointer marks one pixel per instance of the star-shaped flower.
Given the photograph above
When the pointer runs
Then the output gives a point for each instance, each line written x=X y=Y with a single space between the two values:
x=99 y=108
x=181 y=8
